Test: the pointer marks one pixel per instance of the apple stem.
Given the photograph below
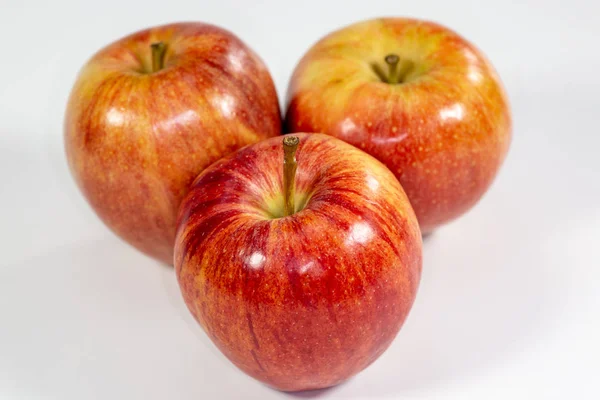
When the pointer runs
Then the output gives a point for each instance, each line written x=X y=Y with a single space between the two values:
x=397 y=69
x=158 y=55
x=290 y=145
x=392 y=61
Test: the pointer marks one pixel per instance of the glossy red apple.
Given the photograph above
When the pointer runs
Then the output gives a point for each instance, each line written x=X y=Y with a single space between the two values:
x=418 y=97
x=151 y=111
x=303 y=296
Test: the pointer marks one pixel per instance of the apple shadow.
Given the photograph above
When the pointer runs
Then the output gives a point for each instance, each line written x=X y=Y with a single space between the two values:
x=426 y=237
x=316 y=393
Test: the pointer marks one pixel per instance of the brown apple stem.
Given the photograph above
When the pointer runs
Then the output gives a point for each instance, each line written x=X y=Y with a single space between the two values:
x=158 y=55
x=290 y=145
x=392 y=61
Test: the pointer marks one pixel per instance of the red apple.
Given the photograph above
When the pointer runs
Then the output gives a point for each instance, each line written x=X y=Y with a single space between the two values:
x=419 y=98
x=151 y=111
x=306 y=295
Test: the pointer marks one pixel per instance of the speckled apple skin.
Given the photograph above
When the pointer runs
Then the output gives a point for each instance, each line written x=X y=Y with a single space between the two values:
x=136 y=140
x=308 y=300
x=444 y=132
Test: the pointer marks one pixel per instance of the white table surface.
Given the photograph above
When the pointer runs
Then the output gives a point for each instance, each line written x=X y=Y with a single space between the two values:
x=509 y=304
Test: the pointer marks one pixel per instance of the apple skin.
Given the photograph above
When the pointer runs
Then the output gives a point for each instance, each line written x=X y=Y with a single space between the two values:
x=444 y=132
x=308 y=300
x=135 y=139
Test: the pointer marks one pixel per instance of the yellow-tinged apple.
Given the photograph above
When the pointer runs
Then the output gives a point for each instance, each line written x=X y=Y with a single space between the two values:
x=418 y=97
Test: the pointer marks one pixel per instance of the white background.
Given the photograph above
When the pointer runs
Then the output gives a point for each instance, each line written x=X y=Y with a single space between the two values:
x=509 y=303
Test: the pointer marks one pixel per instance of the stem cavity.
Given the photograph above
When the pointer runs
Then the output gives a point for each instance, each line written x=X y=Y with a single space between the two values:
x=158 y=55
x=397 y=70
x=290 y=145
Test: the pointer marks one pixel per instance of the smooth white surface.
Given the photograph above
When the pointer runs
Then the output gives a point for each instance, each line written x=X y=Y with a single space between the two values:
x=509 y=304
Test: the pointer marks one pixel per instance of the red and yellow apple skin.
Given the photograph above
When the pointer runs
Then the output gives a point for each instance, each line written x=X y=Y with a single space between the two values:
x=303 y=301
x=444 y=131
x=136 y=139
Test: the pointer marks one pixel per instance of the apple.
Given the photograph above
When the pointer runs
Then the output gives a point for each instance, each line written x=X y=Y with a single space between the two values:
x=416 y=96
x=150 y=111
x=301 y=272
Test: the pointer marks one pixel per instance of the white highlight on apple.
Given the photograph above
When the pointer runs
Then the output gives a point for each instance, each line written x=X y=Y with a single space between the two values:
x=470 y=56
x=256 y=260
x=236 y=60
x=390 y=140
x=474 y=74
x=360 y=233
x=306 y=267
x=455 y=111
x=348 y=126
x=226 y=103
x=185 y=118
x=372 y=183
x=115 y=117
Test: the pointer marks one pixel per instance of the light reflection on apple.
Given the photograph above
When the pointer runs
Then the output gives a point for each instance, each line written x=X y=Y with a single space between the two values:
x=453 y=112
x=225 y=103
x=184 y=118
x=256 y=260
x=116 y=117
x=360 y=233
